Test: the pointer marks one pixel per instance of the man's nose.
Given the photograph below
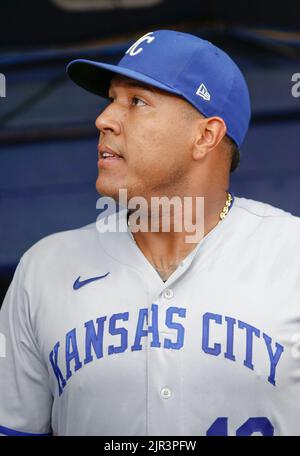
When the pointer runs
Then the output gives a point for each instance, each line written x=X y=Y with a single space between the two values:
x=108 y=121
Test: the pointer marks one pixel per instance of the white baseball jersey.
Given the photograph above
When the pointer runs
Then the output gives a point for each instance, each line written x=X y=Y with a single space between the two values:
x=98 y=344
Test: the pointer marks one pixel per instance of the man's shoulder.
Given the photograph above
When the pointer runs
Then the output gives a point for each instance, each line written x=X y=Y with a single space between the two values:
x=271 y=221
x=269 y=214
x=64 y=243
x=91 y=243
x=263 y=210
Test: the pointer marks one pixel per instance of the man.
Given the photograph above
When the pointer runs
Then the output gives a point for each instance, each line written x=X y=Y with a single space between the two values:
x=153 y=332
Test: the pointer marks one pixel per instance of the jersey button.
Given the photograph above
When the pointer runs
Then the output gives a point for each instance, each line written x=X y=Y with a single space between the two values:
x=165 y=393
x=168 y=293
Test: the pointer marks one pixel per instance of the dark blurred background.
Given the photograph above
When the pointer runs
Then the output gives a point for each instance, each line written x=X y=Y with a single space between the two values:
x=47 y=136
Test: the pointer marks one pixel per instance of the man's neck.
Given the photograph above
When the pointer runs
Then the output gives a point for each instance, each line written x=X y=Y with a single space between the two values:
x=166 y=250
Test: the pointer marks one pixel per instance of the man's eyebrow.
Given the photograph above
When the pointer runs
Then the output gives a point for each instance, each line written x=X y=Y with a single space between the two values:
x=140 y=85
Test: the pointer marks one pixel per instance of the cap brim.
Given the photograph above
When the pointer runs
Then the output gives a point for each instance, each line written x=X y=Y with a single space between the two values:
x=96 y=76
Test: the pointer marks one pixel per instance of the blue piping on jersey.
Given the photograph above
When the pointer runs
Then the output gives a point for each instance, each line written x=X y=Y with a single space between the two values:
x=12 y=432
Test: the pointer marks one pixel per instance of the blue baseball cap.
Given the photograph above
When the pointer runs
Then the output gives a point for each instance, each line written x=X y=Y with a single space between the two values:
x=182 y=64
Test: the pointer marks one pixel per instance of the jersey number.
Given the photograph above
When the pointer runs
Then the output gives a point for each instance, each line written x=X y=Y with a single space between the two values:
x=257 y=424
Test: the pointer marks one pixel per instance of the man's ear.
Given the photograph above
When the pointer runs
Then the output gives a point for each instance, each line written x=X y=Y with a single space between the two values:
x=211 y=131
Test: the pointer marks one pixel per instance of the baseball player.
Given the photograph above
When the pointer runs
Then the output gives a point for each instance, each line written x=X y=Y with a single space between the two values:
x=132 y=332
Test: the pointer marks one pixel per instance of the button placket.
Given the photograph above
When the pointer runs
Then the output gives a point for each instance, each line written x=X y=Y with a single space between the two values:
x=168 y=293
x=165 y=393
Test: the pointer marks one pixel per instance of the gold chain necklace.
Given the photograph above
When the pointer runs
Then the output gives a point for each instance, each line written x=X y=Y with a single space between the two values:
x=222 y=215
x=226 y=208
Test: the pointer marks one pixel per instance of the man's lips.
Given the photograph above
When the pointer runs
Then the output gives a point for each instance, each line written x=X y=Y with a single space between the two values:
x=108 y=156
x=106 y=151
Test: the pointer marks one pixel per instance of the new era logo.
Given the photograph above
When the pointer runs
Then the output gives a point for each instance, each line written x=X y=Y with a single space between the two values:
x=203 y=92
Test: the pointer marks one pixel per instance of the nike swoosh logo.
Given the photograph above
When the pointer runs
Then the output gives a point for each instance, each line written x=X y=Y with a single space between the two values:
x=81 y=283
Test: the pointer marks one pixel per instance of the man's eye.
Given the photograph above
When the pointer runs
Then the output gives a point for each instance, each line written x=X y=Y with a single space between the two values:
x=138 y=102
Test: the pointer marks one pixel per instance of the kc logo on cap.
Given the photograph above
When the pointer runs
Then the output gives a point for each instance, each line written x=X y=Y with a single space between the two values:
x=134 y=49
